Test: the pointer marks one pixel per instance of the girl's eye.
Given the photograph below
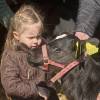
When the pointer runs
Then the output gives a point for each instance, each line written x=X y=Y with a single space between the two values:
x=38 y=37
x=30 y=37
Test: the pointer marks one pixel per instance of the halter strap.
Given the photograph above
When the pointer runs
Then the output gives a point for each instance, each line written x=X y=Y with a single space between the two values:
x=64 y=68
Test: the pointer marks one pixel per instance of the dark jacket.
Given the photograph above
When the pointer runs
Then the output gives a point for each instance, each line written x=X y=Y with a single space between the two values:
x=18 y=78
x=88 y=16
x=5 y=13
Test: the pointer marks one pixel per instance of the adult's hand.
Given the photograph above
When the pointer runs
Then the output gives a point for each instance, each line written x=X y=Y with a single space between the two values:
x=82 y=36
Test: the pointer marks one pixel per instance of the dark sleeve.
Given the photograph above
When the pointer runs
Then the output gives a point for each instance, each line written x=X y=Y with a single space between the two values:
x=12 y=83
x=5 y=13
x=88 y=16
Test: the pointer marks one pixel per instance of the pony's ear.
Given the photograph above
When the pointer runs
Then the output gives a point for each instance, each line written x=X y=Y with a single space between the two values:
x=16 y=35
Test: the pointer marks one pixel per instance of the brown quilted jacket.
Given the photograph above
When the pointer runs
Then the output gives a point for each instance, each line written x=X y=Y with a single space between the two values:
x=18 y=78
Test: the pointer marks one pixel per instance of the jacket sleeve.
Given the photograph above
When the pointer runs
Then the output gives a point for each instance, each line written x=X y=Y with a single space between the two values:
x=88 y=16
x=12 y=82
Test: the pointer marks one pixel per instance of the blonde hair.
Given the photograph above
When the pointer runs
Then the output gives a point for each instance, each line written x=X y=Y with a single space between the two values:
x=25 y=15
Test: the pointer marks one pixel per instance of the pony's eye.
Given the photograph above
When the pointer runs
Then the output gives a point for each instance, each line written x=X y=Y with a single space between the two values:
x=57 y=50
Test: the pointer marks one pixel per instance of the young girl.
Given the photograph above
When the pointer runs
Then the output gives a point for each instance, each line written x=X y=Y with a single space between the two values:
x=19 y=79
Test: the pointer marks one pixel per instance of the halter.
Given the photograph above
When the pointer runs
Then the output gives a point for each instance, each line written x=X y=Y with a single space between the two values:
x=64 y=68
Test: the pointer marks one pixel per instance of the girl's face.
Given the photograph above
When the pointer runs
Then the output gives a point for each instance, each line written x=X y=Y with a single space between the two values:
x=31 y=35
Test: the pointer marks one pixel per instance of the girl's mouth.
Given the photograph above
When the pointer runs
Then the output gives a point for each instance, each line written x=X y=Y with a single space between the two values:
x=34 y=46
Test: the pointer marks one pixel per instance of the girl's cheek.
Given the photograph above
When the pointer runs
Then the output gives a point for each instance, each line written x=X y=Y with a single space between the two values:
x=39 y=41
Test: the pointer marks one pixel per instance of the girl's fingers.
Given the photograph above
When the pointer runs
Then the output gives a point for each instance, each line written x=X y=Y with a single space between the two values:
x=45 y=98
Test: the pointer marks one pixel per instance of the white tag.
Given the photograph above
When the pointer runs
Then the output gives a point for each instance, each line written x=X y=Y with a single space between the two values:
x=61 y=36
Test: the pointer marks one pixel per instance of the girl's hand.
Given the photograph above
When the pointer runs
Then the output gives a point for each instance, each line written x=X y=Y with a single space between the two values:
x=43 y=92
x=98 y=96
x=43 y=96
x=82 y=36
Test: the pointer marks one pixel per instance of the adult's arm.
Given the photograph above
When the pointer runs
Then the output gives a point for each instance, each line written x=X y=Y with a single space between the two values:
x=88 y=16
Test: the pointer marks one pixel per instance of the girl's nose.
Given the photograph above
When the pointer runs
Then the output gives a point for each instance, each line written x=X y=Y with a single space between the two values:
x=35 y=41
